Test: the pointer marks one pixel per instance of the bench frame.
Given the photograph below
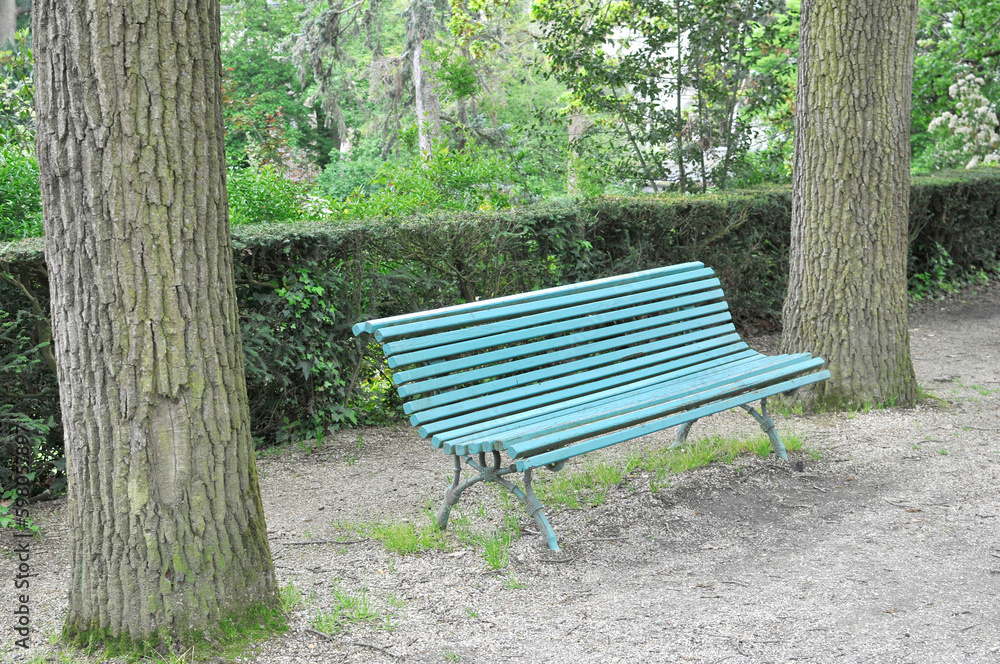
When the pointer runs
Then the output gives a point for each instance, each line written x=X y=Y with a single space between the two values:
x=496 y=471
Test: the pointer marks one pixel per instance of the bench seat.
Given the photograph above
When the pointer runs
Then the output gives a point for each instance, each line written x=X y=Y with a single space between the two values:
x=552 y=374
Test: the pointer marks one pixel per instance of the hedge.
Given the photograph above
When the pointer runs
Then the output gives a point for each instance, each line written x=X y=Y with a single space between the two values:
x=301 y=286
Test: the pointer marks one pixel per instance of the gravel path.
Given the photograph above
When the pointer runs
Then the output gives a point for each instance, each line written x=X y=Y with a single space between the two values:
x=884 y=549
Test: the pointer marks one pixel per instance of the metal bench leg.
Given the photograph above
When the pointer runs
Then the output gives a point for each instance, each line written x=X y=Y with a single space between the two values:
x=454 y=492
x=767 y=424
x=495 y=474
x=534 y=508
x=682 y=434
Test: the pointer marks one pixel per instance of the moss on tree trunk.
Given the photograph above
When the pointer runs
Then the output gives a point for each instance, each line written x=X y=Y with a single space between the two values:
x=847 y=297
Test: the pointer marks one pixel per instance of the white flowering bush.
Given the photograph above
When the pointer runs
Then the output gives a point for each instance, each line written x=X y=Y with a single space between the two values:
x=969 y=135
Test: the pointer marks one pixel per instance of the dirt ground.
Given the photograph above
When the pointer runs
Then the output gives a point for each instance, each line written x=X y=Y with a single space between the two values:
x=885 y=548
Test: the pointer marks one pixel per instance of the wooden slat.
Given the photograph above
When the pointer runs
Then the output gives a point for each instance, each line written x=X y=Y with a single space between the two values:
x=582 y=385
x=669 y=371
x=480 y=336
x=546 y=442
x=606 y=389
x=452 y=371
x=562 y=362
x=564 y=453
x=540 y=381
x=375 y=325
x=571 y=419
x=498 y=437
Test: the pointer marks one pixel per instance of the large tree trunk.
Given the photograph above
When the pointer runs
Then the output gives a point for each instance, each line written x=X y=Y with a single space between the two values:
x=168 y=531
x=428 y=107
x=847 y=297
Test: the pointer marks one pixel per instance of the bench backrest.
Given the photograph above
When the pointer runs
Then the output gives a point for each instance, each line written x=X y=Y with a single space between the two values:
x=487 y=360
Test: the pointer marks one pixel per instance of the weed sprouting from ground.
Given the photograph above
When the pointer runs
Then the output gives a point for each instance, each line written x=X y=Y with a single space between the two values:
x=588 y=486
x=402 y=537
x=512 y=583
x=290 y=598
x=350 y=608
x=496 y=549
x=406 y=538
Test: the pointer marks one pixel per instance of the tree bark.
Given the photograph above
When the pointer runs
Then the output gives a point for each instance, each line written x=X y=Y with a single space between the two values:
x=428 y=107
x=578 y=125
x=168 y=533
x=847 y=298
x=8 y=21
x=682 y=181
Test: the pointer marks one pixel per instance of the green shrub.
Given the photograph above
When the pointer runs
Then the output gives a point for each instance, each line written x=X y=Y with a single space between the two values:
x=954 y=230
x=474 y=178
x=344 y=175
x=20 y=196
x=260 y=194
x=29 y=404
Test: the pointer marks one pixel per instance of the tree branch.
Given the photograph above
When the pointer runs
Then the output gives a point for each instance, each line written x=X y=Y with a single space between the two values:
x=35 y=306
x=635 y=146
x=42 y=327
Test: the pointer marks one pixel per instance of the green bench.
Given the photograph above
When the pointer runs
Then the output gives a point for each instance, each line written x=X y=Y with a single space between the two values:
x=549 y=375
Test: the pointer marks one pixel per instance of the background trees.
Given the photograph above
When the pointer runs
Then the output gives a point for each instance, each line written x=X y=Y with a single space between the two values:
x=669 y=95
x=954 y=40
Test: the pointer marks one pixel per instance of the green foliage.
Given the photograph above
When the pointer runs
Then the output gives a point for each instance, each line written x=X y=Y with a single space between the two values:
x=629 y=61
x=954 y=232
x=265 y=104
x=28 y=393
x=17 y=93
x=772 y=165
x=20 y=195
x=954 y=38
x=969 y=135
x=346 y=176
x=586 y=45
x=456 y=72
x=259 y=194
x=935 y=280
x=474 y=178
x=297 y=350
x=770 y=85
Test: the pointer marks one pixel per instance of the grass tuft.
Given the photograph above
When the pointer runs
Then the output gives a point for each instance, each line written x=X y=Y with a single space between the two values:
x=350 y=608
x=406 y=538
x=290 y=598
x=590 y=485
